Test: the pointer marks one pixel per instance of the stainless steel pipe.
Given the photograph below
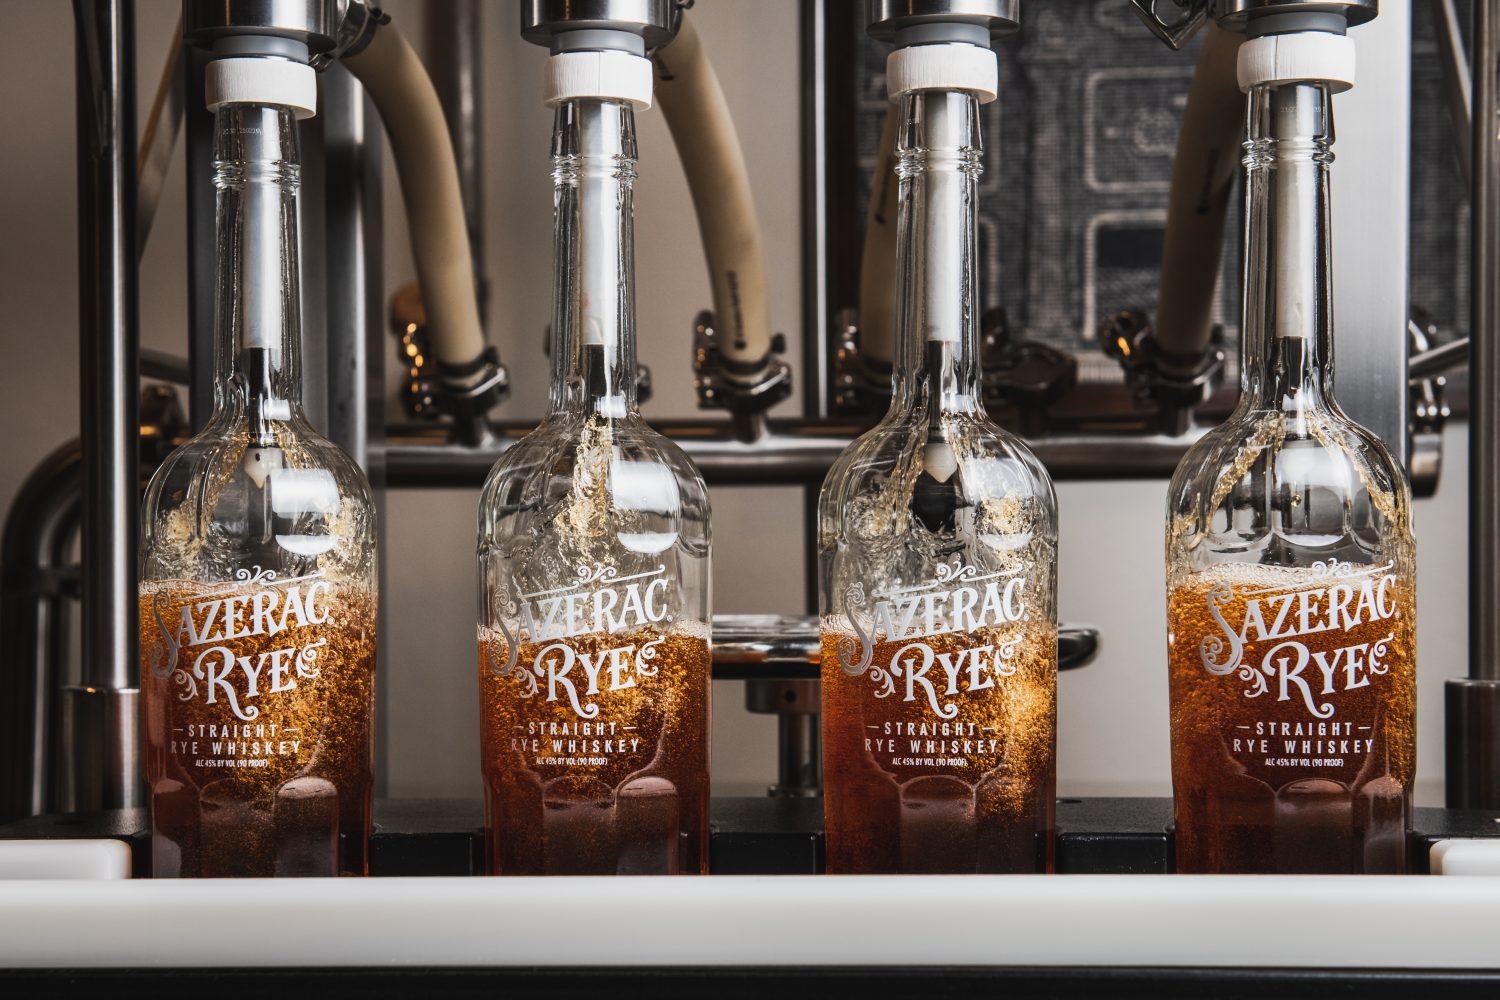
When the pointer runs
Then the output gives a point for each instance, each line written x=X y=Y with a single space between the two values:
x=1473 y=705
x=103 y=704
x=1484 y=366
x=1437 y=360
x=1456 y=76
x=789 y=452
x=36 y=569
x=454 y=31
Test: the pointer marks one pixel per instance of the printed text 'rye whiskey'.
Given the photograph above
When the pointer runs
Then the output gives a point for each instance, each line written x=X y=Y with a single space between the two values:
x=594 y=572
x=1291 y=612
x=937 y=555
x=257 y=600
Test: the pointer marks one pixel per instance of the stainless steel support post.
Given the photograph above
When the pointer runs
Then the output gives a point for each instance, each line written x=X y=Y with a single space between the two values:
x=830 y=227
x=1371 y=196
x=352 y=297
x=320 y=315
x=351 y=300
x=797 y=705
x=1455 y=75
x=829 y=31
x=810 y=495
x=454 y=31
x=1472 y=706
x=198 y=142
x=100 y=713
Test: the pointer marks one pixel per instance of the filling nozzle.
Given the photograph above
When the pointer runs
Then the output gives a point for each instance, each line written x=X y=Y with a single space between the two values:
x=936 y=494
x=942 y=67
x=939 y=461
x=259 y=73
x=256 y=70
x=1295 y=58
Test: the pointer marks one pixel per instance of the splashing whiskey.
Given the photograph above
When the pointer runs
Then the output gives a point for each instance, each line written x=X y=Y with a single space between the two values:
x=593 y=753
x=1293 y=719
x=940 y=758
x=259 y=702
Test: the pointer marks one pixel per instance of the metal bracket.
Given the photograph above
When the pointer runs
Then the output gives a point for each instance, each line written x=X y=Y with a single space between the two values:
x=1429 y=412
x=474 y=392
x=465 y=396
x=1026 y=374
x=1173 y=21
x=1129 y=338
x=861 y=385
x=747 y=398
x=357 y=24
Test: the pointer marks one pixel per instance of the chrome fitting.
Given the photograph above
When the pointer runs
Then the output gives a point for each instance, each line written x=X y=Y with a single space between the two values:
x=1176 y=387
x=635 y=26
x=746 y=391
x=313 y=23
x=922 y=22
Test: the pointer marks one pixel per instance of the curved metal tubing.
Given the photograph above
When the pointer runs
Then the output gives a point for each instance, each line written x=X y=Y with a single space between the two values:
x=36 y=575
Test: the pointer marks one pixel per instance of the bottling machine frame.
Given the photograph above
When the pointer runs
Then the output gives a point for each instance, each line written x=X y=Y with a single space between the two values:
x=74 y=750
x=346 y=345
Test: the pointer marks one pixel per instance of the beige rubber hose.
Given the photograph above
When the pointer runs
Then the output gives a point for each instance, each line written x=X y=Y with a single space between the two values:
x=1203 y=173
x=408 y=104
x=877 y=266
x=693 y=102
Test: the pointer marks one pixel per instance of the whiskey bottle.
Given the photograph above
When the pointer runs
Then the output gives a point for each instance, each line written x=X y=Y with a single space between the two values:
x=594 y=555
x=1290 y=561
x=258 y=574
x=937 y=549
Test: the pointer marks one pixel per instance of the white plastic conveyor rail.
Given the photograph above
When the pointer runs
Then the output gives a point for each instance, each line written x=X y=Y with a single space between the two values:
x=973 y=920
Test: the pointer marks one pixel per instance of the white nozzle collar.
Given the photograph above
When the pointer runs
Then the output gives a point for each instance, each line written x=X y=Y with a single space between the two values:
x=262 y=80
x=1298 y=56
x=946 y=66
x=608 y=75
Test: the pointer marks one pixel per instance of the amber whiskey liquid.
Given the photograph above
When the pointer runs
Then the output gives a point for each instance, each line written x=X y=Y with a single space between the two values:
x=595 y=753
x=259 y=702
x=1293 y=718
x=939 y=755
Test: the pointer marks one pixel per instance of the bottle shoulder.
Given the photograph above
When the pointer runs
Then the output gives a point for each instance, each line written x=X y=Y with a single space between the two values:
x=615 y=477
x=1287 y=487
x=908 y=504
x=227 y=499
x=558 y=446
x=219 y=449
x=982 y=461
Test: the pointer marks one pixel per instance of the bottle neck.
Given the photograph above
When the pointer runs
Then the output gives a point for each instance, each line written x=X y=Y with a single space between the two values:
x=1288 y=320
x=939 y=157
x=593 y=322
x=257 y=307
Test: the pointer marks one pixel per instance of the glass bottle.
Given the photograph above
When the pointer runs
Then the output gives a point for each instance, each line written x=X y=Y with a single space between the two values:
x=258 y=592
x=1290 y=565
x=594 y=573
x=937 y=549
